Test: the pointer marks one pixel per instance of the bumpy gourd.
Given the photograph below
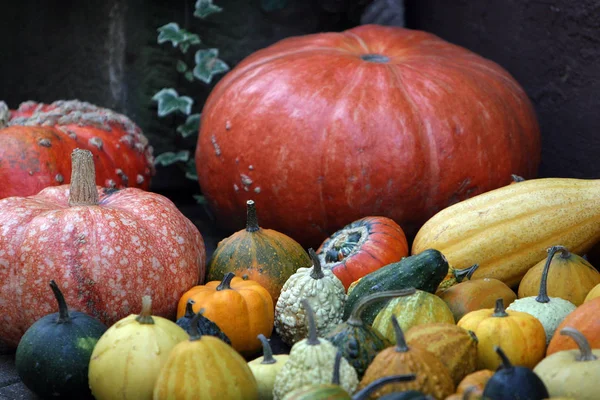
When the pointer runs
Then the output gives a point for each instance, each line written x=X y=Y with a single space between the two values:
x=311 y=361
x=549 y=310
x=572 y=373
x=266 y=368
x=128 y=357
x=324 y=292
x=359 y=342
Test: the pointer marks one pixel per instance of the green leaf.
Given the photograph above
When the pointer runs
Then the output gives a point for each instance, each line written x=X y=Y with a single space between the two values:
x=189 y=76
x=273 y=5
x=169 y=102
x=200 y=199
x=169 y=158
x=181 y=66
x=191 y=126
x=208 y=65
x=171 y=32
x=190 y=169
x=204 y=8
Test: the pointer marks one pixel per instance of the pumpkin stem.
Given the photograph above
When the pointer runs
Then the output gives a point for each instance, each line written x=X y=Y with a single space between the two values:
x=542 y=296
x=473 y=336
x=355 y=317
x=336 y=368
x=63 y=310
x=189 y=309
x=194 y=332
x=500 y=310
x=465 y=273
x=267 y=350
x=82 y=190
x=376 y=384
x=251 y=219
x=312 y=325
x=401 y=345
x=317 y=272
x=4 y=115
x=145 y=316
x=517 y=178
x=506 y=364
x=226 y=282
x=582 y=343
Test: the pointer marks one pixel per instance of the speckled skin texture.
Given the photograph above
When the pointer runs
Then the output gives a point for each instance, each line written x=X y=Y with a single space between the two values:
x=550 y=314
x=103 y=257
x=311 y=364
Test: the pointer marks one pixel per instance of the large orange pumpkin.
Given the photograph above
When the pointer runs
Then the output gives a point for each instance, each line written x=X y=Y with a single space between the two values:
x=326 y=128
x=104 y=248
x=37 y=139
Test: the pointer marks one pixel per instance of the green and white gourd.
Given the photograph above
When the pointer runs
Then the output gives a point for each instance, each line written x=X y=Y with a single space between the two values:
x=550 y=311
x=311 y=361
x=324 y=292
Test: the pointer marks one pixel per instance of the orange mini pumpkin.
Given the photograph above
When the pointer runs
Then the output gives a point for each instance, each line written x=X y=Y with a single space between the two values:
x=242 y=309
x=586 y=320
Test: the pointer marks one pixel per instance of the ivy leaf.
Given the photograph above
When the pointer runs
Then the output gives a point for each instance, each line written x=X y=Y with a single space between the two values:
x=169 y=102
x=171 y=32
x=191 y=125
x=169 y=158
x=190 y=169
x=204 y=8
x=181 y=66
x=189 y=76
x=208 y=65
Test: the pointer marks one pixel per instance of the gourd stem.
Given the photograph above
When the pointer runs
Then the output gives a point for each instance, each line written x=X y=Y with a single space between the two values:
x=582 y=343
x=267 y=351
x=194 y=332
x=401 y=345
x=312 y=326
x=505 y=361
x=542 y=296
x=499 y=310
x=465 y=273
x=355 y=318
x=251 y=218
x=226 y=282
x=4 y=115
x=317 y=272
x=473 y=336
x=336 y=368
x=517 y=178
x=63 y=310
x=189 y=308
x=82 y=190
x=376 y=384
x=145 y=316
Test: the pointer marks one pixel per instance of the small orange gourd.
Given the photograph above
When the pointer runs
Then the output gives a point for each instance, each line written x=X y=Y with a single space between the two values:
x=586 y=319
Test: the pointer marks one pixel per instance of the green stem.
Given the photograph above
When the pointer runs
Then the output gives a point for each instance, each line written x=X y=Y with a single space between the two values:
x=251 y=218
x=63 y=310
x=465 y=273
x=582 y=342
x=336 y=368
x=82 y=189
x=226 y=282
x=401 y=345
x=194 y=331
x=500 y=310
x=506 y=364
x=317 y=272
x=373 y=386
x=145 y=316
x=312 y=326
x=517 y=178
x=4 y=115
x=355 y=318
x=267 y=350
x=542 y=296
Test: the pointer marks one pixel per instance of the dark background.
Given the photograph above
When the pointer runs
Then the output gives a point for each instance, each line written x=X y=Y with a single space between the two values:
x=105 y=52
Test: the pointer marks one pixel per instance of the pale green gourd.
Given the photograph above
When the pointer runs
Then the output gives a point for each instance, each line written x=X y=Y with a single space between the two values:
x=266 y=368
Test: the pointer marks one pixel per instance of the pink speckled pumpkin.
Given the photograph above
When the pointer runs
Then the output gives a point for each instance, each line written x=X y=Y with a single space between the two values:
x=104 y=248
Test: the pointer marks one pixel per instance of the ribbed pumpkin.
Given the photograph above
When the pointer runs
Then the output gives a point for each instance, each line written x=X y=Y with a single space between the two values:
x=413 y=310
x=241 y=308
x=595 y=292
x=586 y=320
x=262 y=255
x=362 y=247
x=205 y=368
x=432 y=376
x=475 y=295
x=570 y=276
x=358 y=342
x=454 y=346
x=521 y=334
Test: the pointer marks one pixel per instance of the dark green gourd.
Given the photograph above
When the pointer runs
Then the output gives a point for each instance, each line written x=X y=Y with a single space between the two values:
x=53 y=355
x=205 y=325
x=424 y=271
x=358 y=342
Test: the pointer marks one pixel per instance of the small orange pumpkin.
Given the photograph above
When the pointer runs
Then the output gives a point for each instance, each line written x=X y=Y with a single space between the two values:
x=476 y=379
x=243 y=309
x=586 y=319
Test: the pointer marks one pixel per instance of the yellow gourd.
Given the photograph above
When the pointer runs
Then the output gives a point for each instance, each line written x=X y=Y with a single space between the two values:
x=266 y=368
